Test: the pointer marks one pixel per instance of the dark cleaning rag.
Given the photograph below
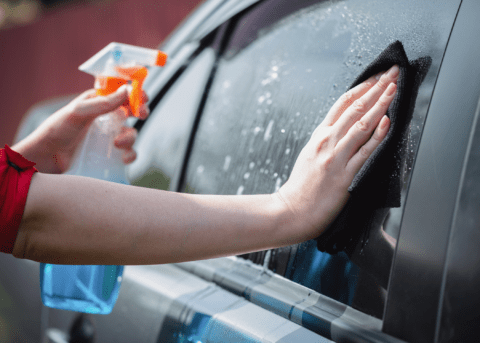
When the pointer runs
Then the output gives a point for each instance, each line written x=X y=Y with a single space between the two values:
x=378 y=184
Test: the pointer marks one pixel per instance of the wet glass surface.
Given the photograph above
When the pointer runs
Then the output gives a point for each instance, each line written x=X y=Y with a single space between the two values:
x=277 y=80
x=164 y=137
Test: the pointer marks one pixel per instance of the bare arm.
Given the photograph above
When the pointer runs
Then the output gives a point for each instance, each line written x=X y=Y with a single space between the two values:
x=77 y=220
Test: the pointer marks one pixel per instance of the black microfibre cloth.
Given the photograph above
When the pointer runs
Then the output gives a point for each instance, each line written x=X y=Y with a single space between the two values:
x=378 y=184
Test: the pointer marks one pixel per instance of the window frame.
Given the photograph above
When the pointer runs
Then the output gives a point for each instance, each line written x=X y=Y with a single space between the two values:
x=417 y=277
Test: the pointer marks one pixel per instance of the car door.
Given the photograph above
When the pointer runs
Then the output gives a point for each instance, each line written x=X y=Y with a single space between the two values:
x=249 y=82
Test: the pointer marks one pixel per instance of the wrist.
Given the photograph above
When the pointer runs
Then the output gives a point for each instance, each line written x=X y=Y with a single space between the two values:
x=290 y=228
x=36 y=149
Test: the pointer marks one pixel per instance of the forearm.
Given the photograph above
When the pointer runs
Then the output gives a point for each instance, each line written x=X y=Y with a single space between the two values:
x=75 y=220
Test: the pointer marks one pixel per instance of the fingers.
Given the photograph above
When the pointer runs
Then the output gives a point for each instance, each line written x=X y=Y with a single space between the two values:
x=363 y=104
x=126 y=138
x=359 y=133
x=129 y=156
x=347 y=99
x=357 y=161
x=89 y=105
x=144 y=110
x=125 y=141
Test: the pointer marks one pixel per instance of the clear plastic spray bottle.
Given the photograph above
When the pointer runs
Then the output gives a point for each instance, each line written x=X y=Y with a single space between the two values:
x=90 y=288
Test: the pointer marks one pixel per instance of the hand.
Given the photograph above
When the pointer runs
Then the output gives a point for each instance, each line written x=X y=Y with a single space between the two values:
x=317 y=188
x=52 y=145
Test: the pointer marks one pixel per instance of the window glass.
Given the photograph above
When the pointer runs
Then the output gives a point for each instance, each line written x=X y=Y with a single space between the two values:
x=162 y=142
x=284 y=66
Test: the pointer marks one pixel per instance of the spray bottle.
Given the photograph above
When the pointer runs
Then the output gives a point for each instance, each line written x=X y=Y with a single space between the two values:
x=85 y=288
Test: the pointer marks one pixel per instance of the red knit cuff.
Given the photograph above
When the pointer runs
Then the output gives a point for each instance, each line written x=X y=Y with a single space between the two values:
x=15 y=176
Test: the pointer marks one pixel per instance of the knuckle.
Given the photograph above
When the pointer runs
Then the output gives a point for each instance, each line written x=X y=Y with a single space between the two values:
x=347 y=98
x=382 y=83
x=376 y=136
x=364 y=151
x=369 y=83
x=362 y=126
x=359 y=106
x=322 y=143
x=382 y=104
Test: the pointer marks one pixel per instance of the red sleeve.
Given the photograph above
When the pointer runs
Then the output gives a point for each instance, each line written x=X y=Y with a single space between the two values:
x=15 y=175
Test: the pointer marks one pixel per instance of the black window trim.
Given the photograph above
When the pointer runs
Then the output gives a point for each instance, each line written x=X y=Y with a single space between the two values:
x=414 y=297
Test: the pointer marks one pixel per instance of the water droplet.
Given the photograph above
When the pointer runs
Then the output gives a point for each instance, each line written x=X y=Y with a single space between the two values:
x=275 y=175
x=261 y=99
x=240 y=190
x=200 y=169
x=268 y=131
x=269 y=101
x=278 y=184
x=309 y=70
x=282 y=130
x=226 y=84
x=257 y=130
x=226 y=164
x=268 y=95
x=267 y=161
x=297 y=114
x=251 y=165
x=287 y=151
x=246 y=175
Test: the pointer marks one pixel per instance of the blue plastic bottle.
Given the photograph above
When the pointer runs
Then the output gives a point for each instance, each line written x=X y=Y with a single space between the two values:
x=89 y=288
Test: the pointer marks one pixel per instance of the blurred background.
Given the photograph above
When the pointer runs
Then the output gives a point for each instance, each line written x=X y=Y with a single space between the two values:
x=42 y=43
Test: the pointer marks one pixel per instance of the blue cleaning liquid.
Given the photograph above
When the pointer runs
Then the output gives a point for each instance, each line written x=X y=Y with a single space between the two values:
x=89 y=288
x=81 y=288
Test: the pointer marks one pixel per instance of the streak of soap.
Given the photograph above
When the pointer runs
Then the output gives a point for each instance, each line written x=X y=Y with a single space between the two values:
x=268 y=131
x=226 y=164
x=240 y=190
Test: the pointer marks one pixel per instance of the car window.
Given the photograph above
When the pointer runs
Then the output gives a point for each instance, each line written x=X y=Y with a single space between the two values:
x=163 y=139
x=284 y=66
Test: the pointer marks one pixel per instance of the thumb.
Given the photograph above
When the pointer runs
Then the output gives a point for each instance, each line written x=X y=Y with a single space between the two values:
x=99 y=105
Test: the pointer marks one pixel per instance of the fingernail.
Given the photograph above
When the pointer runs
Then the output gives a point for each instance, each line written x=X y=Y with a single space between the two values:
x=391 y=89
x=393 y=72
x=379 y=75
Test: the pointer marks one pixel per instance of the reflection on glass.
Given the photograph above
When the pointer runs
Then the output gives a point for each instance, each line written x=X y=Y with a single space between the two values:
x=163 y=140
x=275 y=84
